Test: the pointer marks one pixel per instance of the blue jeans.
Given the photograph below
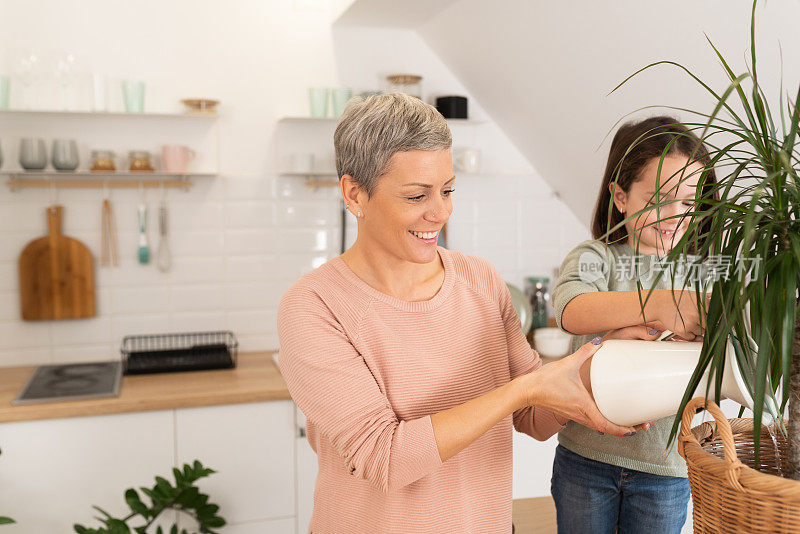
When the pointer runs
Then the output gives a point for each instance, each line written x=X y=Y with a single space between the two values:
x=597 y=498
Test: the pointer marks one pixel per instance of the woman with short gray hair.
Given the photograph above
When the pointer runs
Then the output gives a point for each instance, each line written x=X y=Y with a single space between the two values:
x=407 y=358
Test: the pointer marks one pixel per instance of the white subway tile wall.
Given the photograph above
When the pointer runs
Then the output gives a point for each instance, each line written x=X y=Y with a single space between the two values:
x=238 y=242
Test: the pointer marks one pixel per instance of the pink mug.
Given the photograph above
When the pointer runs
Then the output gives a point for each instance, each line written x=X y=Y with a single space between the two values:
x=175 y=158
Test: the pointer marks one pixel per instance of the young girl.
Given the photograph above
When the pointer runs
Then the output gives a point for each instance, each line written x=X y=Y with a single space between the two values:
x=601 y=483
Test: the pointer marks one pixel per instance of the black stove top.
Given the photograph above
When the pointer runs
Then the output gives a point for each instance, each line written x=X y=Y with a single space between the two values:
x=75 y=381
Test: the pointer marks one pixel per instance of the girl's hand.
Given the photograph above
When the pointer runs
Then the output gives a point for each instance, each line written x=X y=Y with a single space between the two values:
x=640 y=331
x=559 y=387
x=677 y=311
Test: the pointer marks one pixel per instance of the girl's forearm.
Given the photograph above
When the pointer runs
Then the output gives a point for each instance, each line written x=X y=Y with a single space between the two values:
x=590 y=313
x=457 y=427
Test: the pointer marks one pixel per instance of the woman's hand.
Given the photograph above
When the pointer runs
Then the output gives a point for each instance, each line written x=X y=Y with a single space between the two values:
x=559 y=387
x=677 y=311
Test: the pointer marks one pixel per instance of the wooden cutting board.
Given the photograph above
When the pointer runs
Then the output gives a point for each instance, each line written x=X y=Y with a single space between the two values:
x=56 y=275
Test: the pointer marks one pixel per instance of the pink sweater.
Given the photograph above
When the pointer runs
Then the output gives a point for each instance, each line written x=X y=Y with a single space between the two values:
x=369 y=370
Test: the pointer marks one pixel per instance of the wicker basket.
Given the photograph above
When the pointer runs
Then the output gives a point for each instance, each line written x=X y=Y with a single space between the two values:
x=728 y=493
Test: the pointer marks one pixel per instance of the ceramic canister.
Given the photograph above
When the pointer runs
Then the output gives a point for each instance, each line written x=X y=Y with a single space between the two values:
x=32 y=154
x=65 y=154
x=634 y=381
x=176 y=158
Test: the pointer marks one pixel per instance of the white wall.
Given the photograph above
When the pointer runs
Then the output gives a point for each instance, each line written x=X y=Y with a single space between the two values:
x=543 y=70
x=241 y=239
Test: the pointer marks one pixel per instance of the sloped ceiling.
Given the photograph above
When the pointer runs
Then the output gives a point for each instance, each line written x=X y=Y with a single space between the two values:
x=392 y=13
x=543 y=70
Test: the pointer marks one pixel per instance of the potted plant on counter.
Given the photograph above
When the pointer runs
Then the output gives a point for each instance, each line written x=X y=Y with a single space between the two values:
x=751 y=216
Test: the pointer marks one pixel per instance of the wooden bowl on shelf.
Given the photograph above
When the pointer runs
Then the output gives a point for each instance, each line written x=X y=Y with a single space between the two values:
x=200 y=105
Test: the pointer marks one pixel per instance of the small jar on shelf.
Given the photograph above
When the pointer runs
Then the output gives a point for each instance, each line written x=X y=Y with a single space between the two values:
x=139 y=161
x=103 y=161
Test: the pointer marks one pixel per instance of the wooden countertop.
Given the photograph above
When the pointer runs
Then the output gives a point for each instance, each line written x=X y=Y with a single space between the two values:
x=256 y=378
x=536 y=515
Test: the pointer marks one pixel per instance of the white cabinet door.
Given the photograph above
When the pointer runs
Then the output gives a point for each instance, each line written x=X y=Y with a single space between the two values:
x=53 y=471
x=251 y=446
x=276 y=526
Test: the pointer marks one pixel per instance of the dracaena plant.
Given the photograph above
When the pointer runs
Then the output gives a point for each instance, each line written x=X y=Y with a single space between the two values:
x=750 y=216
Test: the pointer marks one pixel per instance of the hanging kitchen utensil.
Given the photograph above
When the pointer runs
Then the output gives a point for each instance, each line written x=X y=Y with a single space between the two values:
x=109 y=237
x=163 y=256
x=104 y=235
x=144 y=250
x=56 y=275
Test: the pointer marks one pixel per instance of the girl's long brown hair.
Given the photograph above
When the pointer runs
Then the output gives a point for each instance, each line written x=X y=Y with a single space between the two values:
x=635 y=144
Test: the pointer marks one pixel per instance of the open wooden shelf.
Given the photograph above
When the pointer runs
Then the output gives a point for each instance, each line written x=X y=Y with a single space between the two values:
x=104 y=114
x=105 y=174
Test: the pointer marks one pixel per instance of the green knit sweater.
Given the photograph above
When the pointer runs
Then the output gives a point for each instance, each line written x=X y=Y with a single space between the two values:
x=594 y=266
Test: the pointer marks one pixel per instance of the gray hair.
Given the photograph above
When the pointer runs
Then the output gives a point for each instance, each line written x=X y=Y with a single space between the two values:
x=372 y=130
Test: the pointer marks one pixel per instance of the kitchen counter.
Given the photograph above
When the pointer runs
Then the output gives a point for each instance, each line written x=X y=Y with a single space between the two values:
x=256 y=378
x=536 y=515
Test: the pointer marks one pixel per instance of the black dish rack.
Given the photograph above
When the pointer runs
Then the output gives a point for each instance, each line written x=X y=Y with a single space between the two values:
x=167 y=353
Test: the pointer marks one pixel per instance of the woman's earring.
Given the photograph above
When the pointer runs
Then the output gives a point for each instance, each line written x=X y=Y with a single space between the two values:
x=347 y=207
x=359 y=214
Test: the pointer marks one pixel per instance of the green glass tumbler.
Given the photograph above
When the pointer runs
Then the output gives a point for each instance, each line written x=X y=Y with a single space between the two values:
x=133 y=96
x=5 y=91
x=318 y=98
x=340 y=96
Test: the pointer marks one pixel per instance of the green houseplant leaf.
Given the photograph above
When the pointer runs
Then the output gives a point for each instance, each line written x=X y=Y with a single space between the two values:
x=752 y=214
x=184 y=496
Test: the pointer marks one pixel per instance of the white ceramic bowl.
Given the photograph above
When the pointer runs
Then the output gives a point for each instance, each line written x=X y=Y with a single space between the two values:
x=551 y=342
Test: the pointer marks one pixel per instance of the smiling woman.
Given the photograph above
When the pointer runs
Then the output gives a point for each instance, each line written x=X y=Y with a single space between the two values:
x=408 y=359
x=406 y=211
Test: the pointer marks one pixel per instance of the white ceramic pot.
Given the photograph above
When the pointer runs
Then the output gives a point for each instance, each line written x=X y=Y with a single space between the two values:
x=634 y=381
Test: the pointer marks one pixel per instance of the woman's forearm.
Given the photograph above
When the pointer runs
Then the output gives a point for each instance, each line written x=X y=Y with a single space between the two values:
x=558 y=387
x=590 y=313
x=457 y=427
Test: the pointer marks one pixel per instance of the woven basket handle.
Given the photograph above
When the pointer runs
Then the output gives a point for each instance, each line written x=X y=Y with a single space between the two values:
x=723 y=427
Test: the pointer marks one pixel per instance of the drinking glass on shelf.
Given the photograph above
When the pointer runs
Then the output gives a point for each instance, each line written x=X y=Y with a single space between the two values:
x=65 y=155
x=340 y=97
x=29 y=73
x=318 y=100
x=32 y=154
x=99 y=100
x=133 y=96
x=5 y=90
x=64 y=73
